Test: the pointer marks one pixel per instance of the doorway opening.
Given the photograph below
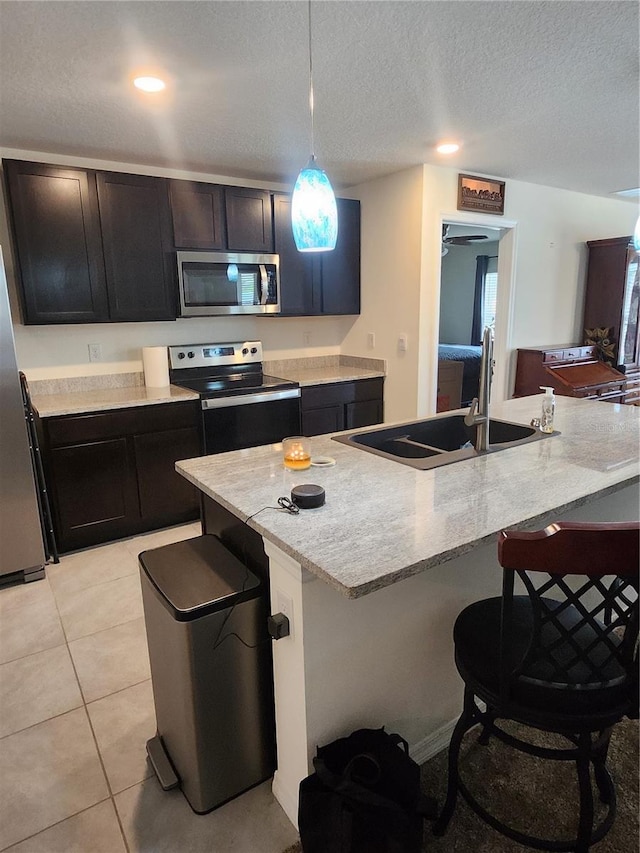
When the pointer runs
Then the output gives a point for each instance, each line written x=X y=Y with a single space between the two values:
x=476 y=270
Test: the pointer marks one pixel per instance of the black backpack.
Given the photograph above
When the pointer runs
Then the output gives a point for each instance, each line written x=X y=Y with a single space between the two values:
x=364 y=797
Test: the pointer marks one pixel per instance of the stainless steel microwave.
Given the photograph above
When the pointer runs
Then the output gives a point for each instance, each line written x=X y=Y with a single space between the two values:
x=212 y=283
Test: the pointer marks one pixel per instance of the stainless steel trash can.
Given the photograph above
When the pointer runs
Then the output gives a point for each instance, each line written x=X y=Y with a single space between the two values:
x=206 y=616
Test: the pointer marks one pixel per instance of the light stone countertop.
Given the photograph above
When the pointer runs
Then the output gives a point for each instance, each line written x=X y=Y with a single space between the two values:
x=326 y=375
x=86 y=394
x=384 y=521
x=103 y=399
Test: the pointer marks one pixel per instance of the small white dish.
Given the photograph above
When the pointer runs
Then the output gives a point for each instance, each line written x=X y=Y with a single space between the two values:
x=322 y=461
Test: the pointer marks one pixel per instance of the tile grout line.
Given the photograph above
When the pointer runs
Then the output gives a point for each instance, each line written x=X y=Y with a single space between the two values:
x=84 y=704
x=57 y=823
x=93 y=734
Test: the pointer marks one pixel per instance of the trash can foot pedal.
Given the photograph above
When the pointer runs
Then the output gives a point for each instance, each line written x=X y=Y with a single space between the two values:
x=161 y=764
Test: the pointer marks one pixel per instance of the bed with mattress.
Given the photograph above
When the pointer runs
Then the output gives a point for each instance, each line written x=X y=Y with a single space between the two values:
x=470 y=357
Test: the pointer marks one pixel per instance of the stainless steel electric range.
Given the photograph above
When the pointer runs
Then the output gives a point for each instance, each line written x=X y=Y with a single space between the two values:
x=241 y=406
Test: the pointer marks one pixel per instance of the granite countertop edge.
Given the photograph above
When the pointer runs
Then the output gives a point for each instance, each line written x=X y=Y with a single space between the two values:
x=86 y=401
x=360 y=590
x=405 y=521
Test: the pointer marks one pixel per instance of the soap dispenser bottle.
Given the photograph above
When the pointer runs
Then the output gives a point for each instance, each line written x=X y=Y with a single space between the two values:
x=548 y=409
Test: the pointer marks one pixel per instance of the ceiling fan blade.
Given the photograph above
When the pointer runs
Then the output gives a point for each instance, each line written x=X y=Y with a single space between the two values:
x=465 y=240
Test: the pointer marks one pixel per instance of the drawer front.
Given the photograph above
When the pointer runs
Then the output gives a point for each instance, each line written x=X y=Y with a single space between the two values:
x=576 y=352
x=553 y=355
x=74 y=429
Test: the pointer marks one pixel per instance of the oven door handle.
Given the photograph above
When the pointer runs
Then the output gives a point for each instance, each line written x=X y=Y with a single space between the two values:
x=248 y=399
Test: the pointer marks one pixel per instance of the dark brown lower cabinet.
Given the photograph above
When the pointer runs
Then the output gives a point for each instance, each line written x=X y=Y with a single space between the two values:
x=163 y=492
x=341 y=405
x=111 y=474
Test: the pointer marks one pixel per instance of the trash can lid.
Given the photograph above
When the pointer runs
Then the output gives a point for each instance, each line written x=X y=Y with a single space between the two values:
x=198 y=576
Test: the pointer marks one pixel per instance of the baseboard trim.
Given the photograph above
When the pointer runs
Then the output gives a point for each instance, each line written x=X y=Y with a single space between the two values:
x=287 y=799
x=434 y=743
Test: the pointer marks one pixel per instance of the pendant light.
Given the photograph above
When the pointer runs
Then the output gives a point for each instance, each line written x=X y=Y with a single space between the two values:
x=314 y=214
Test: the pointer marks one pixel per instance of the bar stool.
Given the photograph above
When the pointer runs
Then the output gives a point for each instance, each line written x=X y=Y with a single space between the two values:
x=562 y=657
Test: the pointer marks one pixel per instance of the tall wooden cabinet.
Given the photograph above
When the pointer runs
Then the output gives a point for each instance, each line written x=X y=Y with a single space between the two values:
x=612 y=301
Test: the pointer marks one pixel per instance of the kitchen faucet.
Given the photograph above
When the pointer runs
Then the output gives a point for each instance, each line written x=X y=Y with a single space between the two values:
x=478 y=413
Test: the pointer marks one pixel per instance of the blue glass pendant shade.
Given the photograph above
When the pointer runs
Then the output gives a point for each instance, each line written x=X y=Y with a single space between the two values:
x=314 y=214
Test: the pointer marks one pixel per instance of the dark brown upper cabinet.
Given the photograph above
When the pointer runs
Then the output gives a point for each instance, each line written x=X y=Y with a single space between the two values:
x=249 y=219
x=57 y=243
x=323 y=282
x=300 y=286
x=137 y=243
x=341 y=267
x=198 y=215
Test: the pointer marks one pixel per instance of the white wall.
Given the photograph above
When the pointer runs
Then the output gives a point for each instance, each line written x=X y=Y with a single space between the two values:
x=457 y=290
x=391 y=224
x=401 y=293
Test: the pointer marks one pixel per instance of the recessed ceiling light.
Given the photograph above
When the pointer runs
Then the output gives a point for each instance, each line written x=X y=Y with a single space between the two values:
x=149 y=84
x=448 y=148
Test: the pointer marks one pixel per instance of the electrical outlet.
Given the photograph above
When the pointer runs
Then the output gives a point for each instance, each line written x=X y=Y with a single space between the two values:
x=306 y=339
x=284 y=604
x=371 y=340
x=95 y=352
x=403 y=342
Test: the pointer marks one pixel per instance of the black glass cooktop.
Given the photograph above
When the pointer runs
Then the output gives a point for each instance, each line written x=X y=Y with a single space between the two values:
x=244 y=383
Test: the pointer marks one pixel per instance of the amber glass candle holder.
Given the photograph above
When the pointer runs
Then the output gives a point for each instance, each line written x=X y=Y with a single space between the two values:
x=296 y=452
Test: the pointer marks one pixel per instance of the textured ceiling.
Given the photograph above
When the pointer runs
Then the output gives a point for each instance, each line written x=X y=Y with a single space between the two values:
x=545 y=92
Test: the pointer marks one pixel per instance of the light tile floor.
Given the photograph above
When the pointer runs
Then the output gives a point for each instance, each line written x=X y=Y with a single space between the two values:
x=76 y=709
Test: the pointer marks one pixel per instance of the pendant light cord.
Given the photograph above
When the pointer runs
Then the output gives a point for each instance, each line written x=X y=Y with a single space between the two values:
x=313 y=153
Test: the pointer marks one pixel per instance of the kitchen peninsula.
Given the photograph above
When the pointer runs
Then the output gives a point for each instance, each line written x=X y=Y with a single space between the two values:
x=374 y=579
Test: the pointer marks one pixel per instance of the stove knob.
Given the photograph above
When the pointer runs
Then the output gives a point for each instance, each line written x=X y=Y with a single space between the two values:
x=191 y=354
x=180 y=355
x=254 y=350
x=245 y=351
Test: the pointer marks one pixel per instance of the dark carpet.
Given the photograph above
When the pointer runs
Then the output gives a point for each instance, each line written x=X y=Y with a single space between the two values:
x=533 y=795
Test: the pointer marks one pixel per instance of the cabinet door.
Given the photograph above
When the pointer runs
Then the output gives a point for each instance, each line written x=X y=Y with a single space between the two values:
x=341 y=267
x=197 y=211
x=136 y=235
x=57 y=238
x=94 y=493
x=629 y=351
x=164 y=494
x=363 y=413
x=249 y=220
x=323 y=419
x=299 y=271
x=605 y=291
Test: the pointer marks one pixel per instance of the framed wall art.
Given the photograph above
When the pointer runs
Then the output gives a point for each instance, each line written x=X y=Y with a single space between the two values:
x=480 y=194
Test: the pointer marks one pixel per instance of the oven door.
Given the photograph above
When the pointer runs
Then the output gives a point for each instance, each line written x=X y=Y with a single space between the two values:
x=233 y=423
x=212 y=283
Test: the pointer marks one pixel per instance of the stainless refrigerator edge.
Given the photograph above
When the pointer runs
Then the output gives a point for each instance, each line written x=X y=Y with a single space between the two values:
x=21 y=542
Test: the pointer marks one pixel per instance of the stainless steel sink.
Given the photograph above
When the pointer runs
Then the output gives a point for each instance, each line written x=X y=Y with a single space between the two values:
x=437 y=441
